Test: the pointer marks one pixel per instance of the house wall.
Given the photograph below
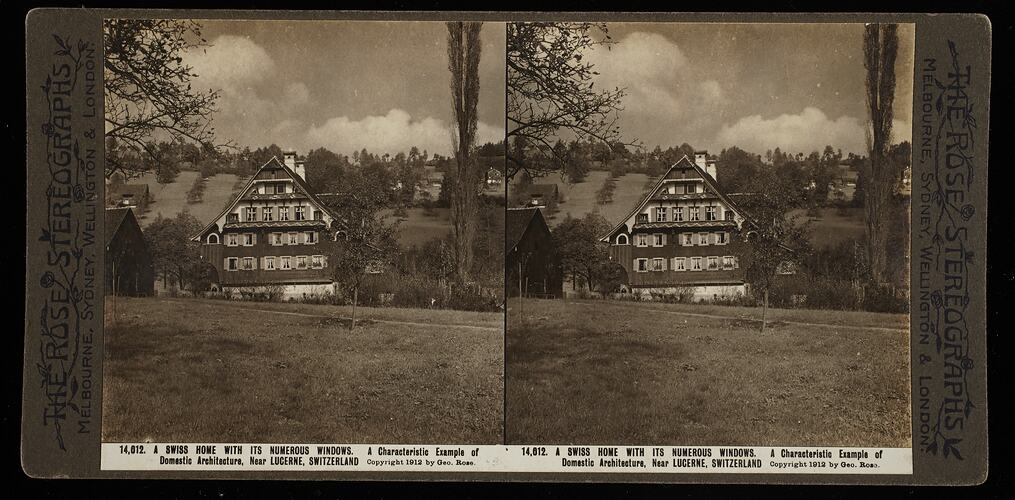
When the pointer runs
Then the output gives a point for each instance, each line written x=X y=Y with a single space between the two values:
x=216 y=255
x=626 y=256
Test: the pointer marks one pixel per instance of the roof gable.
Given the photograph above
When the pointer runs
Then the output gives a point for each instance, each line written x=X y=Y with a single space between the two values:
x=683 y=163
x=272 y=164
x=114 y=218
x=517 y=222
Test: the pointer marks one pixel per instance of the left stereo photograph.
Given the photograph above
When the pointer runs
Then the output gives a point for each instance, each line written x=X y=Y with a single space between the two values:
x=304 y=229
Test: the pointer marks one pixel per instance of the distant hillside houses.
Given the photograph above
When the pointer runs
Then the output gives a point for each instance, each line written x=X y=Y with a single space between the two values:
x=136 y=196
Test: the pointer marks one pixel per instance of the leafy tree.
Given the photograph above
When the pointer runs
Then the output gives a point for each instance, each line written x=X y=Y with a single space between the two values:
x=174 y=255
x=464 y=47
x=577 y=243
x=364 y=243
x=149 y=91
x=773 y=239
x=737 y=170
x=552 y=89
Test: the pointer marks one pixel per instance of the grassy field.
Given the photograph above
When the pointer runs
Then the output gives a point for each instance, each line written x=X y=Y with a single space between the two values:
x=171 y=199
x=217 y=371
x=417 y=227
x=833 y=227
x=644 y=373
x=580 y=199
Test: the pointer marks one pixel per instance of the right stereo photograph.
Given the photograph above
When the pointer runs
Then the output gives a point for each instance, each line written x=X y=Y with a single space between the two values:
x=707 y=234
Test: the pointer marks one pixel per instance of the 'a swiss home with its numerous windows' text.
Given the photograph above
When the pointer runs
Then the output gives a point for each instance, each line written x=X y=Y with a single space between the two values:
x=683 y=237
x=276 y=233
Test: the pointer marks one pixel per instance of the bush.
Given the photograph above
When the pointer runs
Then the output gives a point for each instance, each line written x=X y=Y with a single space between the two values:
x=834 y=294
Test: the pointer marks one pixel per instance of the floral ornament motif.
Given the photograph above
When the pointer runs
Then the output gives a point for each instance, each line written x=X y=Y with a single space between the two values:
x=967 y=211
x=47 y=280
x=79 y=193
x=967 y=363
x=935 y=298
x=47 y=129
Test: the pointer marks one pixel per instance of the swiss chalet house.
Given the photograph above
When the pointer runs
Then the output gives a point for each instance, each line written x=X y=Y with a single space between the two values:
x=683 y=237
x=275 y=233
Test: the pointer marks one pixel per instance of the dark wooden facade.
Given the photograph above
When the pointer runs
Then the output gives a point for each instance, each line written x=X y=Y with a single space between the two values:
x=129 y=269
x=533 y=264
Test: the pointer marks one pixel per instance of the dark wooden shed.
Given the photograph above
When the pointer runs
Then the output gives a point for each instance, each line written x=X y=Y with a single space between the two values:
x=129 y=269
x=533 y=264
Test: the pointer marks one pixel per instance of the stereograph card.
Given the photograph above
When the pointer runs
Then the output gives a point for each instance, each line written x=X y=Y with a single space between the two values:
x=736 y=248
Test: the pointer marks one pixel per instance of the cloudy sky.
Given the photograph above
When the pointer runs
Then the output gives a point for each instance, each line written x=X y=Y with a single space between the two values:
x=757 y=86
x=383 y=86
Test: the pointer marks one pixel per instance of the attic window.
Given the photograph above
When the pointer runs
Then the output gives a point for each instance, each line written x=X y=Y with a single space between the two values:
x=622 y=239
x=213 y=239
x=729 y=215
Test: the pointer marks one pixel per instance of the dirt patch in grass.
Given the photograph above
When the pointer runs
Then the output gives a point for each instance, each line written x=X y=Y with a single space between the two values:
x=612 y=374
x=210 y=371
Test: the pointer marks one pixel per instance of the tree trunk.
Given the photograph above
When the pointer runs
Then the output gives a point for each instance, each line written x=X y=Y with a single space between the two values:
x=355 y=299
x=764 y=312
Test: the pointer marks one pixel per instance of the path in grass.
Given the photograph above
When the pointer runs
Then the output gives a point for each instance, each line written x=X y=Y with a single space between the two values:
x=627 y=373
x=202 y=370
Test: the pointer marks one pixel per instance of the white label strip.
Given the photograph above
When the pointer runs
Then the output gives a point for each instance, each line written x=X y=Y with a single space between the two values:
x=499 y=458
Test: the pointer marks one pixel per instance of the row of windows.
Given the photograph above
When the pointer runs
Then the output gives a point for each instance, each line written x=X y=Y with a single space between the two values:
x=711 y=263
x=272 y=263
x=269 y=214
x=680 y=214
x=274 y=239
x=684 y=239
x=681 y=188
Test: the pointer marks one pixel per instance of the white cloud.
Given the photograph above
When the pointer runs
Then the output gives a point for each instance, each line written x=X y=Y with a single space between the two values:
x=809 y=130
x=231 y=62
x=396 y=131
x=662 y=88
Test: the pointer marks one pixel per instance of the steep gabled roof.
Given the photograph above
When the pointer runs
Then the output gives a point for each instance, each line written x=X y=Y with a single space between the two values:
x=517 y=222
x=684 y=162
x=114 y=219
x=274 y=163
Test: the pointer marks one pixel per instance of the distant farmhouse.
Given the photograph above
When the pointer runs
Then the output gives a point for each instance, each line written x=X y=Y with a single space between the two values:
x=275 y=233
x=136 y=196
x=533 y=264
x=683 y=236
x=543 y=195
x=129 y=269
x=494 y=177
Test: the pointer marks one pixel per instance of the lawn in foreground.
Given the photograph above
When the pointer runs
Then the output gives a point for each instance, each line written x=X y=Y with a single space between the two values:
x=215 y=371
x=602 y=372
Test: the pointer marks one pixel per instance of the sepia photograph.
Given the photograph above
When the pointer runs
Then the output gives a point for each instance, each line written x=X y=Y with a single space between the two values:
x=708 y=234
x=304 y=231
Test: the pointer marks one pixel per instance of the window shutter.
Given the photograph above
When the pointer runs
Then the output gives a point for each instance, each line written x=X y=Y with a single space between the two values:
x=664 y=239
x=225 y=264
x=636 y=269
x=664 y=260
